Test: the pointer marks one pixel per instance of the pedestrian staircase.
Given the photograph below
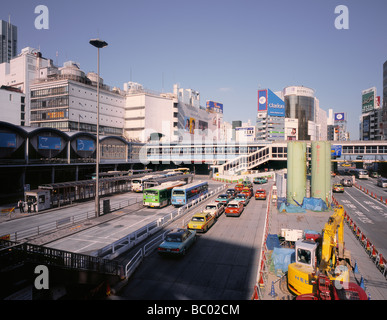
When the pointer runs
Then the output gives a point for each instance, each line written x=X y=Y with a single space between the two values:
x=245 y=162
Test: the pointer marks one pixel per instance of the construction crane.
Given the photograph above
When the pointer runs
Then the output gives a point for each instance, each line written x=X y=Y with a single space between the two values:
x=325 y=256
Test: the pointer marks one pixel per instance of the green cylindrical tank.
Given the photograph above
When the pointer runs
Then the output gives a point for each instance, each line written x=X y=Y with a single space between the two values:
x=321 y=171
x=296 y=176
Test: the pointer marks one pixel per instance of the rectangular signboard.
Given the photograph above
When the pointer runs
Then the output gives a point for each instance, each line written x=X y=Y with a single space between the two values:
x=262 y=100
x=7 y=140
x=49 y=143
x=85 y=145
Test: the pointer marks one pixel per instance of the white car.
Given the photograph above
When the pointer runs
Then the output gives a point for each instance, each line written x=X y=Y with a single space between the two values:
x=214 y=208
x=382 y=182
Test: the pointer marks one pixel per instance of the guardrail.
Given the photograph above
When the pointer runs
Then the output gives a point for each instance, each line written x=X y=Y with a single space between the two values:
x=151 y=245
x=262 y=268
x=376 y=257
x=64 y=222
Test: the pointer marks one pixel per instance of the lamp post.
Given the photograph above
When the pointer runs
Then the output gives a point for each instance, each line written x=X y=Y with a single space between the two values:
x=98 y=44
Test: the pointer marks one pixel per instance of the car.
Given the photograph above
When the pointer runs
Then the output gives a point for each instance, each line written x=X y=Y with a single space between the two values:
x=223 y=198
x=259 y=180
x=239 y=187
x=177 y=242
x=201 y=221
x=231 y=193
x=260 y=194
x=234 y=209
x=242 y=197
x=374 y=174
x=382 y=182
x=247 y=183
x=337 y=187
x=247 y=191
x=346 y=182
x=214 y=208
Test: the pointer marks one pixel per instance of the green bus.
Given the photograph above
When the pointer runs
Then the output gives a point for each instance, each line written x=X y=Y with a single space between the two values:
x=160 y=196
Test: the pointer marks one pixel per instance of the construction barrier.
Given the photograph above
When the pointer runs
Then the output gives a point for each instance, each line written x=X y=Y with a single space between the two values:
x=366 y=243
x=373 y=195
x=262 y=273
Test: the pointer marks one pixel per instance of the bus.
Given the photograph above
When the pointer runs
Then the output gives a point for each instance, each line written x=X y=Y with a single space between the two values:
x=160 y=196
x=189 y=192
x=180 y=170
x=138 y=183
x=359 y=173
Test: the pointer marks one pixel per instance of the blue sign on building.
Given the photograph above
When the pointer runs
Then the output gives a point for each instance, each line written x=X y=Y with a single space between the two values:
x=49 y=143
x=276 y=106
x=85 y=145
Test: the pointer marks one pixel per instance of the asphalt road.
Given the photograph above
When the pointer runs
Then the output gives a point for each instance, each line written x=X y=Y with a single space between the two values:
x=368 y=213
x=222 y=264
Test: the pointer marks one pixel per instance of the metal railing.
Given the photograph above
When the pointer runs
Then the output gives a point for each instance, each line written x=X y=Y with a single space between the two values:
x=65 y=222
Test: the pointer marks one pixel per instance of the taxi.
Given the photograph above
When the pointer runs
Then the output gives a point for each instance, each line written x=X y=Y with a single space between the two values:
x=242 y=197
x=234 y=209
x=177 y=242
x=260 y=194
x=201 y=222
x=258 y=180
x=247 y=191
x=337 y=187
x=223 y=198
x=239 y=187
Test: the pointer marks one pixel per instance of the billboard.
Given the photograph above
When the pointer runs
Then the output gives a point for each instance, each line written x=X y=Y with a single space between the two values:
x=368 y=100
x=276 y=106
x=336 y=150
x=262 y=100
x=340 y=116
x=270 y=102
x=85 y=145
x=189 y=124
x=214 y=107
x=49 y=143
x=7 y=140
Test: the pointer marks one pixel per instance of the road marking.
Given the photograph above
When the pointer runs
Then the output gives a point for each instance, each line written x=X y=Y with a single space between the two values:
x=357 y=202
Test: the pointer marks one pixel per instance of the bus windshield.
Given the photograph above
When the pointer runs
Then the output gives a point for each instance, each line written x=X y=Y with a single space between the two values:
x=178 y=192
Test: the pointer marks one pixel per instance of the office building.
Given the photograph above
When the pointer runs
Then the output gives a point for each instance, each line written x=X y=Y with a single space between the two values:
x=371 y=119
x=8 y=41
x=12 y=105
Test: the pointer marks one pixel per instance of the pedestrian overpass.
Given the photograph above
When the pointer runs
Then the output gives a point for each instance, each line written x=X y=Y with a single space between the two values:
x=226 y=157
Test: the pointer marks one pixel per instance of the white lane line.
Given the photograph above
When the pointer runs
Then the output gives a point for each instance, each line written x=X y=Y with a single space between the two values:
x=357 y=202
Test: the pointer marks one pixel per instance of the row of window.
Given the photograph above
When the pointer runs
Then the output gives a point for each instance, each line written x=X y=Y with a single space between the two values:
x=50 y=91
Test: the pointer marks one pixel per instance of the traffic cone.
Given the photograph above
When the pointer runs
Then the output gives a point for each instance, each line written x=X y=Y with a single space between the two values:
x=362 y=283
x=355 y=270
x=272 y=292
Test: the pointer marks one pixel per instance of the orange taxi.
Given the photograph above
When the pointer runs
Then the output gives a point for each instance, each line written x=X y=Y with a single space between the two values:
x=238 y=188
x=234 y=209
x=260 y=194
x=247 y=191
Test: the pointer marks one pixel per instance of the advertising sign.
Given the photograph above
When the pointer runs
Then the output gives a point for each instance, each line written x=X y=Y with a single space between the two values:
x=368 y=100
x=49 y=143
x=85 y=145
x=7 y=140
x=340 y=116
x=214 y=107
x=336 y=150
x=189 y=124
x=262 y=100
x=276 y=106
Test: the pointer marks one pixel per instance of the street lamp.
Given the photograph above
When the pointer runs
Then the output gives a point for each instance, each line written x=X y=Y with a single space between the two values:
x=98 y=44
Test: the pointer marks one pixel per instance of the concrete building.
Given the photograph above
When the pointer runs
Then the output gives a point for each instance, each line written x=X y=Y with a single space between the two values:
x=12 y=105
x=371 y=119
x=8 y=41
x=22 y=70
x=384 y=103
x=66 y=99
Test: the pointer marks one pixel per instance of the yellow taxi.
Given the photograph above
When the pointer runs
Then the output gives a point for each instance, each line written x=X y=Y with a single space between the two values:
x=201 y=222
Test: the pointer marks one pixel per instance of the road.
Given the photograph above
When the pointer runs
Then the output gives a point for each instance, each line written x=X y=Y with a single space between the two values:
x=368 y=213
x=221 y=265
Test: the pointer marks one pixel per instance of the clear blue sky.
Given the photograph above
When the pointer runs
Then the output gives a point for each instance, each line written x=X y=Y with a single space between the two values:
x=224 y=49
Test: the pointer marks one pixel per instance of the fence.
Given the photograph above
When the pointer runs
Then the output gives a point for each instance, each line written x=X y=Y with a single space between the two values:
x=64 y=222
x=148 y=247
x=262 y=272
x=366 y=243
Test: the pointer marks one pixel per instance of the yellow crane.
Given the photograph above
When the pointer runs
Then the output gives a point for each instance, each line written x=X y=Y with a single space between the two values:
x=326 y=256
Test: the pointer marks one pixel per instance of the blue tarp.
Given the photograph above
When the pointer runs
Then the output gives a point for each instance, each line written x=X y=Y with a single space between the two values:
x=314 y=204
x=290 y=208
x=282 y=257
x=272 y=241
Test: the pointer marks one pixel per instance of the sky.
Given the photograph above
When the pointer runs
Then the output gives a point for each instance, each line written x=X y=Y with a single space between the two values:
x=225 y=49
